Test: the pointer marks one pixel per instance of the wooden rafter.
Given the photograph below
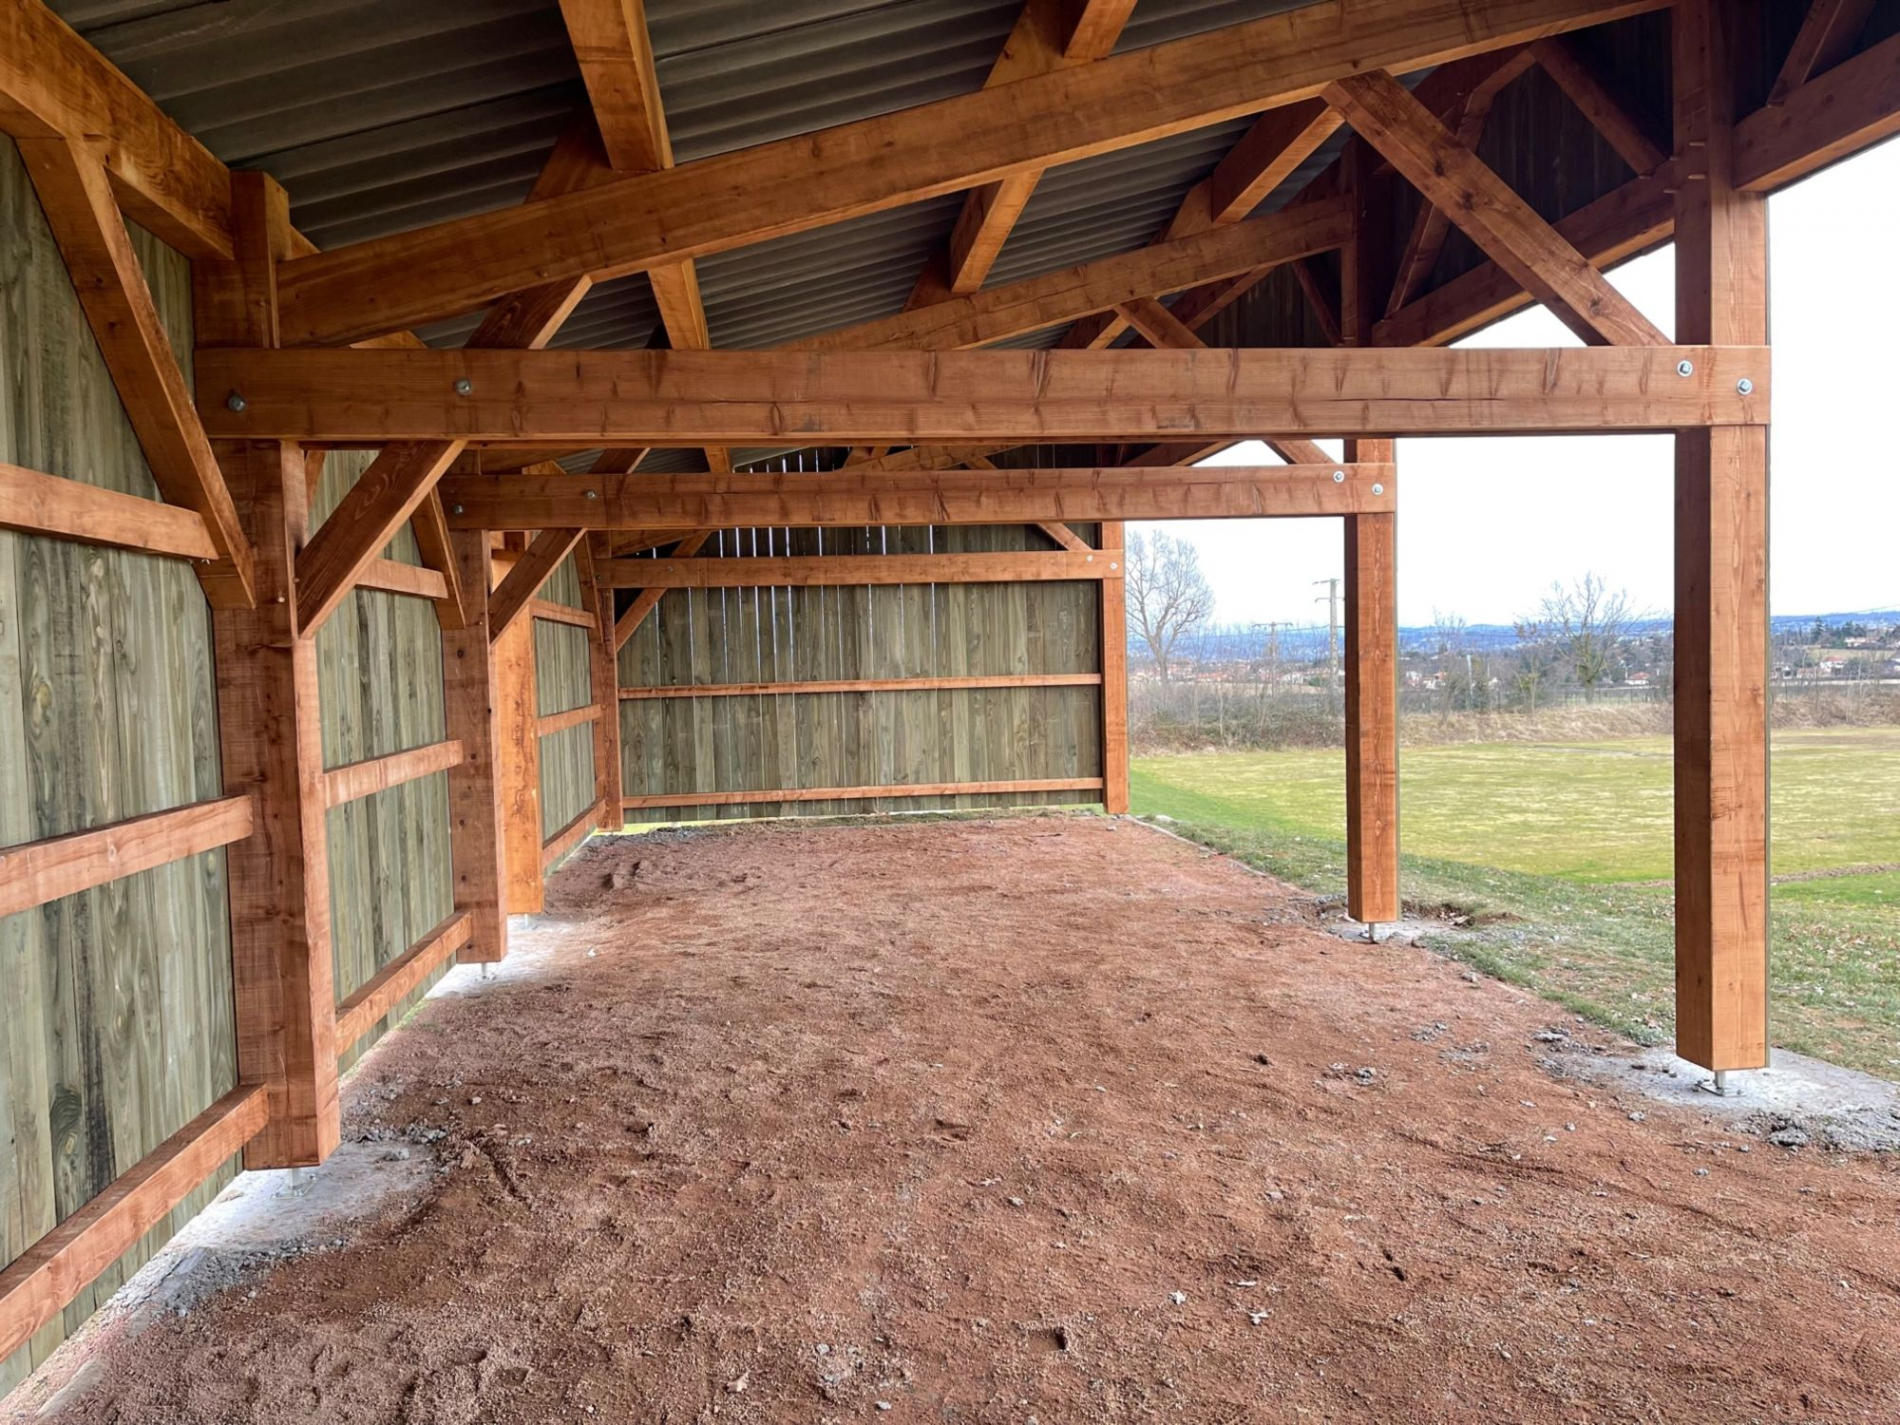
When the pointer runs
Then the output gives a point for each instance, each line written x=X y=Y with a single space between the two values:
x=1049 y=35
x=1839 y=112
x=86 y=223
x=1607 y=114
x=1455 y=179
x=755 y=397
x=1826 y=38
x=853 y=498
x=718 y=203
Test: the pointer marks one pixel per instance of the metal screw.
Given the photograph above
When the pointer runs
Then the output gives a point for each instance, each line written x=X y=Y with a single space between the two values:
x=1113 y=567
x=234 y=402
x=457 y=509
x=593 y=494
x=1745 y=386
x=1685 y=368
x=464 y=386
x=1339 y=477
x=1378 y=489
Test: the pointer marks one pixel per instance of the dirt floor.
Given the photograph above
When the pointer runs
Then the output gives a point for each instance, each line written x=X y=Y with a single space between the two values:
x=1051 y=1119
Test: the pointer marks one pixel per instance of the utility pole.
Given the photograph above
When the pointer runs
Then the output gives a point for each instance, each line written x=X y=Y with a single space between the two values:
x=1332 y=642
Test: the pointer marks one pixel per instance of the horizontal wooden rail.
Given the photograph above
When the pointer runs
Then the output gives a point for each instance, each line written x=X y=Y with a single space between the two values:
x=569 y=836
x=68 y=509
x=562 y=721
x=865 y=685
x=826 y=794
x=36 y=872
x=560 y=613
x=359 y=1014
x=809 y=571
x=355 y=780
x=394 y=578
x=50 y=1273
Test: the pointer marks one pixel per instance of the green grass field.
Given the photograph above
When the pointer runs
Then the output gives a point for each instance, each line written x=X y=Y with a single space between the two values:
x=1560 y=853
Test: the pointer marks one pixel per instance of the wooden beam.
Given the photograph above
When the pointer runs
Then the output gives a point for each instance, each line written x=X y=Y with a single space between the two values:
x=603 y=680
x=1453 y=178
x=861 y=685
x=384 y=990
x=1842 y=111
x=470 y=698
x=736 y=398
x=36 y=872
x=431 y=526
x=369 y=515
x=1607 y=114
x=551 y=723
x=960 y=322
x=1064 y=537
x=523 y=890
x=1049 y=35
x=412 y=579
x=616 y=58
x=53 y=85
x=837 y=570
x=92 y=237
x=649 y=598
x=1721 y=614
x=852 y=498
x=1622 y=223
x=272 y=751
x=562 y=613
x=1827 y=36
x=733 y=199
x=584 y=824
x=1158 y=325
x=1372 y=708
x=524 y=581
x=829 y=794
x=1270 y=153
x=1114 y=656
x=356 y=780
x=71 y=509
x=55 y=1269
x=270 y=735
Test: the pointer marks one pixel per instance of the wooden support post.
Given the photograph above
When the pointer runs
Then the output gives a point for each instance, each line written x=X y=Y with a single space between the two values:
x=1372 y=707
x=1721 y=581
x=471 y=698
x=520 y=763
x=606 y=684
x=269 y=733
x=1114 y=674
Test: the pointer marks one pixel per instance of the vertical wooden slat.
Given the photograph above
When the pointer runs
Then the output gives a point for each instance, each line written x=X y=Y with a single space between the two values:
x=1721 y=732
x=271 y=736
x=1115 y=676
x=471 y=695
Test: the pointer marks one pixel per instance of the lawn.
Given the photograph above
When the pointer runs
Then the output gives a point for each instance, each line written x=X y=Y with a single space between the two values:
x=1561 y=854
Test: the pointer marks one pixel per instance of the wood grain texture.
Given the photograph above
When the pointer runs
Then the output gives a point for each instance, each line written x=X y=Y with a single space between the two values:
x=1372 y=711
x=378 y=996
x=718 y=203
x=866 y=685
x=356 y=780
x=108 y=711
x=1114 y=677
x=1721 y=611
x=1848 y=108
x=471 y=701
x=59 y=1266
x=60 y=866
x=66 y=509
x=850 y=570
x=896 y=789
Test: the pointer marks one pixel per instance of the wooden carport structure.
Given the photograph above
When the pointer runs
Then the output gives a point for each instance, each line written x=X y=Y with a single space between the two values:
x=511 y=457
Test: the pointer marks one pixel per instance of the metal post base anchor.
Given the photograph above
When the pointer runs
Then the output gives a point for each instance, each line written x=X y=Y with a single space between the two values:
x=1717 y=1085
x=1372 y=932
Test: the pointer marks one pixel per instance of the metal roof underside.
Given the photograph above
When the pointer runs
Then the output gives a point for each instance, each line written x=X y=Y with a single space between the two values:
x=380 y=118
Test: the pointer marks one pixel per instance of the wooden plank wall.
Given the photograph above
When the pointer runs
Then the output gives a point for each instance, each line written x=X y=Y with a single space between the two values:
x=784 y=741
x=379 y=668
x=117 y=1022
x=563 y=679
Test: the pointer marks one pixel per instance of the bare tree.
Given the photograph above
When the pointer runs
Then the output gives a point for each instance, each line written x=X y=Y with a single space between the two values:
x=1584 y=624
x=1167 y=594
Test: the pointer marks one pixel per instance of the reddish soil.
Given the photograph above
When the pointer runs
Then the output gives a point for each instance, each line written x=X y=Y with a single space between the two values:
x=1050 y=1119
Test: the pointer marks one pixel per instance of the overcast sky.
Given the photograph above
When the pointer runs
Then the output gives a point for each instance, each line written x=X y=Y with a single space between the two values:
x=1486 y=524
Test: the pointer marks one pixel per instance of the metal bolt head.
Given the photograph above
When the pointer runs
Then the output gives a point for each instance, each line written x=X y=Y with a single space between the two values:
x=1685 y=368
x=593 y=494
x=457 y=509
x=1339 y=477
x=1378 y=489
x=235 y=402
x=1113 y=567
x=1745 y=386
x=464 y=386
